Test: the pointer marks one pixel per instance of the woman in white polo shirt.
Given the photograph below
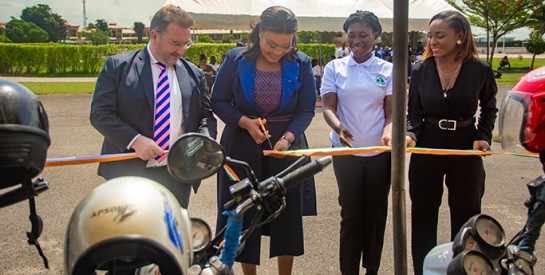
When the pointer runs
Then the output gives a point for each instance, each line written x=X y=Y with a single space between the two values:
x=357 y=95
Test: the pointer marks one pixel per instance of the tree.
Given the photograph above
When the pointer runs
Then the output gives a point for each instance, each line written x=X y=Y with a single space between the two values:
x=327 y=37
x=42 y=16
x=307 y=37
x=62 y=31
x=101 y=24
x=20 y=31
x=496 y=16
x=139 y=29
x=535 y=45
x=204 y=38
x=3 y=37
x=536 y=22
x=97 y=37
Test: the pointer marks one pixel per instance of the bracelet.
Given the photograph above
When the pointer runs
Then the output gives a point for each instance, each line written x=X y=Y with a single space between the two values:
x=286 y=138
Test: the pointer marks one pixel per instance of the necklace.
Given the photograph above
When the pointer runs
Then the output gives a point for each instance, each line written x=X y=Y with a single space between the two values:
x=447 y=85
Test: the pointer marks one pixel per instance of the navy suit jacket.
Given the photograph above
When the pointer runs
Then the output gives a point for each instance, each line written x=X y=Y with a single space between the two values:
x=123 y=106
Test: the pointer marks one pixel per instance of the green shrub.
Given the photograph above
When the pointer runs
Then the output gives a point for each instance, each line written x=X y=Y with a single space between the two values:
x=55 y=58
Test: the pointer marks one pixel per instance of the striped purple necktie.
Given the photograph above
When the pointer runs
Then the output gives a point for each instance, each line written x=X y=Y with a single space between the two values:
x=161 y=130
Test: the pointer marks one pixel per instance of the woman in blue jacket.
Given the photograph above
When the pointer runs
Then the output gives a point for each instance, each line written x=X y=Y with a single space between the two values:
x=271 y=81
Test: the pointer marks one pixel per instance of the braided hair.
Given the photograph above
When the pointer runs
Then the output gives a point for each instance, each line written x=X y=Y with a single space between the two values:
x=365 y=18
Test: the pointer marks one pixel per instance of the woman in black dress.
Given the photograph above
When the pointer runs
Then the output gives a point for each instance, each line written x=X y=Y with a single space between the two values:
x=447 y=87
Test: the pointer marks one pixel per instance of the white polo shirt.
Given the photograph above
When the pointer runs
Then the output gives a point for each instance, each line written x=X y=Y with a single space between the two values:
x=361 y=90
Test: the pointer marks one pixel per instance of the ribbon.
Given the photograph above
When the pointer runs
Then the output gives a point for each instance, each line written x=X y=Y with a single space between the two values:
x=343 y=151
x=337 y=151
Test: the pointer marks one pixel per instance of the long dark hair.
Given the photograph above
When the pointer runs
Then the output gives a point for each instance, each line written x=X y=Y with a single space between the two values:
x=467 y=50
x=275 y=19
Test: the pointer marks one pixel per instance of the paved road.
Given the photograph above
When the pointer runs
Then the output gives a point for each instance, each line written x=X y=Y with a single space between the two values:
x=72 y=135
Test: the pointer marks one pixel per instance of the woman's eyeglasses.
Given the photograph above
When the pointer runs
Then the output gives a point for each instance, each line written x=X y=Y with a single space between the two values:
x=286 y=48
x=282 y=48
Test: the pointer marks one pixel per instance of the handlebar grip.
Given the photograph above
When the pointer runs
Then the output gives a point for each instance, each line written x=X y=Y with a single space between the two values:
x=230 y=205
x=304 y=172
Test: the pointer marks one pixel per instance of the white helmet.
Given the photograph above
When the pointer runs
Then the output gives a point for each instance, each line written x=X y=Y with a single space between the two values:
x=126 y=223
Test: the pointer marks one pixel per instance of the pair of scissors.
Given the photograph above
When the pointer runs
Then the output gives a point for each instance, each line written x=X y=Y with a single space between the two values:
x=264 y=131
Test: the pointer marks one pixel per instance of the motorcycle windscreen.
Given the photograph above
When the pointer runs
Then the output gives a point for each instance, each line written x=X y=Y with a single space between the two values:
x=512 y=119
x=522 y=121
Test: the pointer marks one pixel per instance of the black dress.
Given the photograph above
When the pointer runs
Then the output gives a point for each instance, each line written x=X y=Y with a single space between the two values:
x=447 y=120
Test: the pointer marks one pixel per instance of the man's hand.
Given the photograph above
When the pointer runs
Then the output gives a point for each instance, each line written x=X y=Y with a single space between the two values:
x=146 y=148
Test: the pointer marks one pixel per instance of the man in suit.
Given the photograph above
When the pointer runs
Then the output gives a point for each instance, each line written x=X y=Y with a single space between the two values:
x=128 y=106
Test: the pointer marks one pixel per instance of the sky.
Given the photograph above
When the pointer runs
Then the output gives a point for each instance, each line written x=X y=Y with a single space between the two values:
x=122 y=12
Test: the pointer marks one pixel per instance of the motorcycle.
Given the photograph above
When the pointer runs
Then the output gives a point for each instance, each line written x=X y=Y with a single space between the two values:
x=129 y=224
x=480 y=247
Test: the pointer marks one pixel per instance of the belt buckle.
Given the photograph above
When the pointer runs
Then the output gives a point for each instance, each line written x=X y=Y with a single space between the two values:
x=448 y=121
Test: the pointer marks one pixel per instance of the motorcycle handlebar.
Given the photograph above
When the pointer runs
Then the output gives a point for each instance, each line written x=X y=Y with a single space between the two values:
x=298 y=175
x=293 y=178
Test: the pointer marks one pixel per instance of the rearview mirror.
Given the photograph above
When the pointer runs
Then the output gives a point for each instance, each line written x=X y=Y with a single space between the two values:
x=194 y=157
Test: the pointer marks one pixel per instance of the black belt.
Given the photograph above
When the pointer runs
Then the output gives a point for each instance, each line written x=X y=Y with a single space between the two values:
x=450 y=124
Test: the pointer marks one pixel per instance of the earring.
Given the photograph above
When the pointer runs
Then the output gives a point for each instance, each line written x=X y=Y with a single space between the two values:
x=459 y=42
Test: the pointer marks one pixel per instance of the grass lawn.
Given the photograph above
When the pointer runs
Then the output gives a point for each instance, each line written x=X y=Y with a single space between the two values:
x=509 y=79
x=50 y=88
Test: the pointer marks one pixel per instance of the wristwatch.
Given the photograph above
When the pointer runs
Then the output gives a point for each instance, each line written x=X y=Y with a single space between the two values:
x=286 y=138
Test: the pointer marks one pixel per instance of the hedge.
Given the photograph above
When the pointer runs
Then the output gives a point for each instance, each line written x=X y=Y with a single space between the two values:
x=20 y=58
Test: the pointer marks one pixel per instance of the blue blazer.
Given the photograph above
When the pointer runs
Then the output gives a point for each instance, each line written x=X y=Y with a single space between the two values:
x=123 y=105
x=233 y=91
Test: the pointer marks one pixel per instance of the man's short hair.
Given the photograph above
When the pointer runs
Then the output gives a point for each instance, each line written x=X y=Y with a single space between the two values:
x=171 y=14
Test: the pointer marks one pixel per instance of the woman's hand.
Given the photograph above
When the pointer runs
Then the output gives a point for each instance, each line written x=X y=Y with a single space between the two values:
x=283 y=143
x=254 y=128
x=345 y=136
x=409 y=141
x=481 y=145
x=386 y=139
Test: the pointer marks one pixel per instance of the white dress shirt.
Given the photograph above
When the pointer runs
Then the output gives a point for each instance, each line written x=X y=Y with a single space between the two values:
x=176 y=116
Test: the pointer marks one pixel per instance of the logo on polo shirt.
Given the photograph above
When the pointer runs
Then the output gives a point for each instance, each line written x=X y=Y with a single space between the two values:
x=380 y=80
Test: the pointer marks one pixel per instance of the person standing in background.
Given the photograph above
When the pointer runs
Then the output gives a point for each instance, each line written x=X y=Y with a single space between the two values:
x=209 y=72
x=447 y=87
x=343 y=51
x=269 y=81
x=145 y=99
x=357 y=105
x=213 y=63
x=317 y=71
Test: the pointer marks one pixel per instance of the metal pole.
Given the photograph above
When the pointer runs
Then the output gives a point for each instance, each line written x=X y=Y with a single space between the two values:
x=400 y=59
